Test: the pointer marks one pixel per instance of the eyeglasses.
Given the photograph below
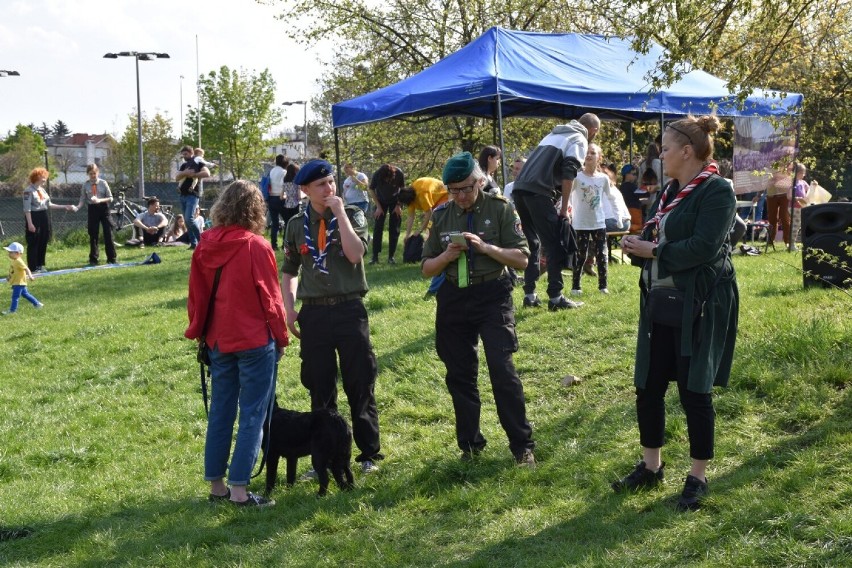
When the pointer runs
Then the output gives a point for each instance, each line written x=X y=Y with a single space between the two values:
x=457 y=190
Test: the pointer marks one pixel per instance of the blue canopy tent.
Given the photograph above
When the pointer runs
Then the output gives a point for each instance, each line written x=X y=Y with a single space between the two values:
x=506 y=73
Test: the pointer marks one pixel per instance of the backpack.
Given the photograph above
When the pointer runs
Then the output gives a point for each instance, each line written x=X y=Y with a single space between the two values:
x=264 y=186
x=413 y=250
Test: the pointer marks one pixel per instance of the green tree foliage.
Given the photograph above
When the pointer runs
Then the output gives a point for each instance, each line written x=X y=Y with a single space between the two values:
x=743 y=41
x=20 y=152
x=237 y=109
x=158 y=143
x=60 y=130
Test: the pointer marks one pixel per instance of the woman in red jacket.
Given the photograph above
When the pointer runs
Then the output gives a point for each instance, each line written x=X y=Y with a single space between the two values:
x=247 y=334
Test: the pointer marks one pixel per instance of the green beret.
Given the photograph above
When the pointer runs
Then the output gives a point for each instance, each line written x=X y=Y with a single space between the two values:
x=458 y=168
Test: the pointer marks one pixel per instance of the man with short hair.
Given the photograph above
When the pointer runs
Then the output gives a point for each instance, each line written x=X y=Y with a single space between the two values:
x=473 y=239
x=323 y=266
x=190 y=172
x=356 y=187
x=152 y=223
x=548 y=175
x=517 y=166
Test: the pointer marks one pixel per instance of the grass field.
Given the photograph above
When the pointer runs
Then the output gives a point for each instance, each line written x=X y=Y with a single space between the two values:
x=103 y=430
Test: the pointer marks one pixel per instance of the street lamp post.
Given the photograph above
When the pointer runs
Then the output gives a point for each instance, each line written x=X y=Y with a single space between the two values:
x=305 y=132
x=144 y=56
x=7 y=73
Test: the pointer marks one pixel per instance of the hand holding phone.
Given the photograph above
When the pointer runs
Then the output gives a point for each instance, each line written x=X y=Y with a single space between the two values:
x=459 y=239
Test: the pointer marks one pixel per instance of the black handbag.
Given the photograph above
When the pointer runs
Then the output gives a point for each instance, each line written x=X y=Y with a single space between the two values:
x=203 y=354
x=666 y=305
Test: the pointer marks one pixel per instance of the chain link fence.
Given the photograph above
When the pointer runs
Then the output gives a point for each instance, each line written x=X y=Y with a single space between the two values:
x=12 y=224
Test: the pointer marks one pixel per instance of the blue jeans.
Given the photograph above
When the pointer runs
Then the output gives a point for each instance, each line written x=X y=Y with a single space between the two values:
x=243 y=379
x=17 y=292
x=188 y=203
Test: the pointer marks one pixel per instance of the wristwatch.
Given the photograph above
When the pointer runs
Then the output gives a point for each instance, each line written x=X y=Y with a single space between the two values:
x=654 y=252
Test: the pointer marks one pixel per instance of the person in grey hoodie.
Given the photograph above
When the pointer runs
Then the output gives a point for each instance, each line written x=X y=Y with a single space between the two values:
x=548 y=176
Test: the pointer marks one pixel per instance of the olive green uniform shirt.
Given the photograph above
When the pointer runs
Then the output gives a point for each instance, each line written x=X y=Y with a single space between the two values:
x=343 y=277
x=492 y=218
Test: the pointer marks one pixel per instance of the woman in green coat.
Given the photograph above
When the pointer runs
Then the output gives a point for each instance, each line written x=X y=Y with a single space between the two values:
x=688 y=306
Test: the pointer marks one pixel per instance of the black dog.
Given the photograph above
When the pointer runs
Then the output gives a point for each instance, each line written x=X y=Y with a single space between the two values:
x=323 y=434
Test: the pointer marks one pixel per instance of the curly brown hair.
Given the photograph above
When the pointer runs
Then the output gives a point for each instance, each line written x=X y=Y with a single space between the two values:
x=37 y=173
x=240 y=204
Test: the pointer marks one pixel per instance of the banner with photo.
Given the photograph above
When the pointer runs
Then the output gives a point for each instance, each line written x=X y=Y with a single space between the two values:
x=758 y=147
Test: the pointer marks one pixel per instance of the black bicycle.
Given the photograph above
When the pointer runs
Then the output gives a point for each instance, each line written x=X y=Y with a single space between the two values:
x=124 y=211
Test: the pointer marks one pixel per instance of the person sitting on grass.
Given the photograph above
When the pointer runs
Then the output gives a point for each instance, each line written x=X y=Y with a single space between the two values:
x=152 y=223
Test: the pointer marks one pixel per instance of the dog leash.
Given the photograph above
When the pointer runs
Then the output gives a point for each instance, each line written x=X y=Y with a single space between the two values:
x=269 y=409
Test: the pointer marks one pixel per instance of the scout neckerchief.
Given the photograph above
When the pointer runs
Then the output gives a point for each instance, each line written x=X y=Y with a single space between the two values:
x=323 y=238
x=662 y=208
x=94 y=188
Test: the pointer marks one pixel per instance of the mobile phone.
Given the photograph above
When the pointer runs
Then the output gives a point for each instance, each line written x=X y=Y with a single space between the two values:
x=458 y=238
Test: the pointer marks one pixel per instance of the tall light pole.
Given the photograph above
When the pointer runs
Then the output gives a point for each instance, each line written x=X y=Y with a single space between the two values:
x=305 y=132
x=5 y=73
x=144 y=56
x=181 y=107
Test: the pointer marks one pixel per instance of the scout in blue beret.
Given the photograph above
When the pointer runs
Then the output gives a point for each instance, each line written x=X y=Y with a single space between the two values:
x=473 y=239
x=323 y=267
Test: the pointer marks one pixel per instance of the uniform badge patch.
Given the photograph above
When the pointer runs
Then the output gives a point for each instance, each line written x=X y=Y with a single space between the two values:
x=359 y=218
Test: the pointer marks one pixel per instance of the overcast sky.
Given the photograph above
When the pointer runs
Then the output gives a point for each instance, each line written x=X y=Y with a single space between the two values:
x=58 y=47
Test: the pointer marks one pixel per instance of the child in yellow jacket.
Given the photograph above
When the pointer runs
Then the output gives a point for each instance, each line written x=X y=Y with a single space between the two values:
x=19 y=273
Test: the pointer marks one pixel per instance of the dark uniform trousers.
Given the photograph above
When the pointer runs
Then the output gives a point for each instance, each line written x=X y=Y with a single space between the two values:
x=667 y=364
x=342 y=329
x=540 y=222
x=98 y=216
x=394 y=224
x=37 y=242
x=463 y=316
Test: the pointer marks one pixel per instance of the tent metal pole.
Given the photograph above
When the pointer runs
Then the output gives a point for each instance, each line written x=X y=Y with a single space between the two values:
x=500 y=132
x=791 y=246
x=337 y=161
x=631 y=142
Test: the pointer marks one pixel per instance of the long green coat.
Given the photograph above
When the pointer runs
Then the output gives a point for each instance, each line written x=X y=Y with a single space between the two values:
x=696 y=231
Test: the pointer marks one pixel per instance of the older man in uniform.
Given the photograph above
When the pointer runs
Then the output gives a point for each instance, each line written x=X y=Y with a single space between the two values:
x=473 y=239
x=328 y=242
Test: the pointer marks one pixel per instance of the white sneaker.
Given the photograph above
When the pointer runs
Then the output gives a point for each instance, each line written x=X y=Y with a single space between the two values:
x=367 y=467
x=39 y=306
x=576 y=292
x=604 y=291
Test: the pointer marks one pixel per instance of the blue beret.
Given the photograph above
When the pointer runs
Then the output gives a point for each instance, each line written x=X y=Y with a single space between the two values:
x=458 y=168
x=312 y=171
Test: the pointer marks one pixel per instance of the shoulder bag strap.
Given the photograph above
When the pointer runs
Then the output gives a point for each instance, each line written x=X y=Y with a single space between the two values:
x=203 y=338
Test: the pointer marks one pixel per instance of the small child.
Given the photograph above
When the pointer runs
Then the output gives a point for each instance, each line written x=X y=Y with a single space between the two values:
x=198 y=158
x=19 y=273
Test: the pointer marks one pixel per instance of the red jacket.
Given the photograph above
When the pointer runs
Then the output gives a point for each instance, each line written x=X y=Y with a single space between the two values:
x=248 y=308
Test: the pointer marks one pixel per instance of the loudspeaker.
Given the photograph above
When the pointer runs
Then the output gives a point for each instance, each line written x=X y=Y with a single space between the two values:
x=826 y=242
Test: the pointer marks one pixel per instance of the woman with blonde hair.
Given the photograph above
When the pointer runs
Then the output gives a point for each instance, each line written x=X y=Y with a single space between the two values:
x=246 y=331
x=688 y=305
x=36 y=220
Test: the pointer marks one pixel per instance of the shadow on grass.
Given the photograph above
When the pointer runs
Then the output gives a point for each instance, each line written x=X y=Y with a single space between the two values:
x=612 y=523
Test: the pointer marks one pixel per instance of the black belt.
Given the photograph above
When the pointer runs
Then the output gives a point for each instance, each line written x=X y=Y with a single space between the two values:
x=331 y=300
x=478 y=279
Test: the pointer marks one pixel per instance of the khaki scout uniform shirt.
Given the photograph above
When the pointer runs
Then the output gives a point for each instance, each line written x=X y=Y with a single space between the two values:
x=343 y=277
x=492 y=218
x=101 y=190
